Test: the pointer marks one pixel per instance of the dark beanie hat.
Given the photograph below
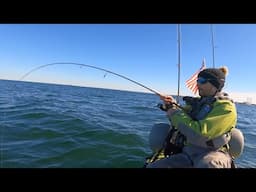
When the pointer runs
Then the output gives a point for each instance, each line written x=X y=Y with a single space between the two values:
x=215 y=76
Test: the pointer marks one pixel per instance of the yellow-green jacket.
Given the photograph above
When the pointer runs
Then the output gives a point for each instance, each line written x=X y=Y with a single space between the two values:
x=219 y=121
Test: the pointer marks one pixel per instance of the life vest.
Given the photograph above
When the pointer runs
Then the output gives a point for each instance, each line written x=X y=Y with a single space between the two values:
x=236 y=143
x=165 y=140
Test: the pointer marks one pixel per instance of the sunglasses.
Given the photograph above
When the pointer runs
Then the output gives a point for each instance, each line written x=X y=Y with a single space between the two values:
x=202 y=80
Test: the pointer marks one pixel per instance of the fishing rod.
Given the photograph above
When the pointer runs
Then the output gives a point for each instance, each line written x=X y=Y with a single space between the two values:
x=213 y=55
x=94 y=67
x=179 y=41
x=98 y=68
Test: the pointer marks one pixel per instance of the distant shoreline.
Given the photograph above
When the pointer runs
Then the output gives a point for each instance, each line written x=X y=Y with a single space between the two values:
x=245 y=103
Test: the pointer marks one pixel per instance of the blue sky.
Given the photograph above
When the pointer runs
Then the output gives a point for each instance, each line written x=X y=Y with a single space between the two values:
x=147 y=53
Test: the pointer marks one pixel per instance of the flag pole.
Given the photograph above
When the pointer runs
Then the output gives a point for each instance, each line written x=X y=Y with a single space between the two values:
x=178 y=94
x=213 y=61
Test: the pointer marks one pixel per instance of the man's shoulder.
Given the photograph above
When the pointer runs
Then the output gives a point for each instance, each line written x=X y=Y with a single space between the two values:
x=224 y=97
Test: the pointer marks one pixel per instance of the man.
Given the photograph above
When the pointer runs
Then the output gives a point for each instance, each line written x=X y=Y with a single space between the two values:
x=206 y=123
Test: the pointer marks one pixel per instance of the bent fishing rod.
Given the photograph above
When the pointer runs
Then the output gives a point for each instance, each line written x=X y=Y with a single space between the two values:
x=98 y=68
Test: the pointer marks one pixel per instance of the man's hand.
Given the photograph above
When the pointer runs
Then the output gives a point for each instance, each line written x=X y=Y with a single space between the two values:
x=167 y=99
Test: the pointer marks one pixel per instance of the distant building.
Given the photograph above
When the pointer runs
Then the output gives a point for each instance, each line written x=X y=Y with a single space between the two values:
x=248 y=100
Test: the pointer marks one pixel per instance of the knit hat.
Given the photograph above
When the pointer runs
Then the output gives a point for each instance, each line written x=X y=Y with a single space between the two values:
x=215 y=76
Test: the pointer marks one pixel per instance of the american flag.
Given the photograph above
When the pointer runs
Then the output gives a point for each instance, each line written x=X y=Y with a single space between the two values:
x=191 y=82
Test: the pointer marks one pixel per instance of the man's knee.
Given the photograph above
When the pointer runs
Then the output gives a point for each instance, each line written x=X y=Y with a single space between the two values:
x=214 y=160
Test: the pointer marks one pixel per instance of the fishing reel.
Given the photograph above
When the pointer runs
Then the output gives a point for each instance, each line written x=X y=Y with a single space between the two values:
x=190 y=100
x=166 y=107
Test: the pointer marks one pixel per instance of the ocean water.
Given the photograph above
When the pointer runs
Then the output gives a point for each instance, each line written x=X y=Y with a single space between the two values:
x=59 y=126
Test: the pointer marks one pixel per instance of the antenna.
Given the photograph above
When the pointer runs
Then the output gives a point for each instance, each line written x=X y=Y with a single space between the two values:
x=178 y=94
x=213 y=56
